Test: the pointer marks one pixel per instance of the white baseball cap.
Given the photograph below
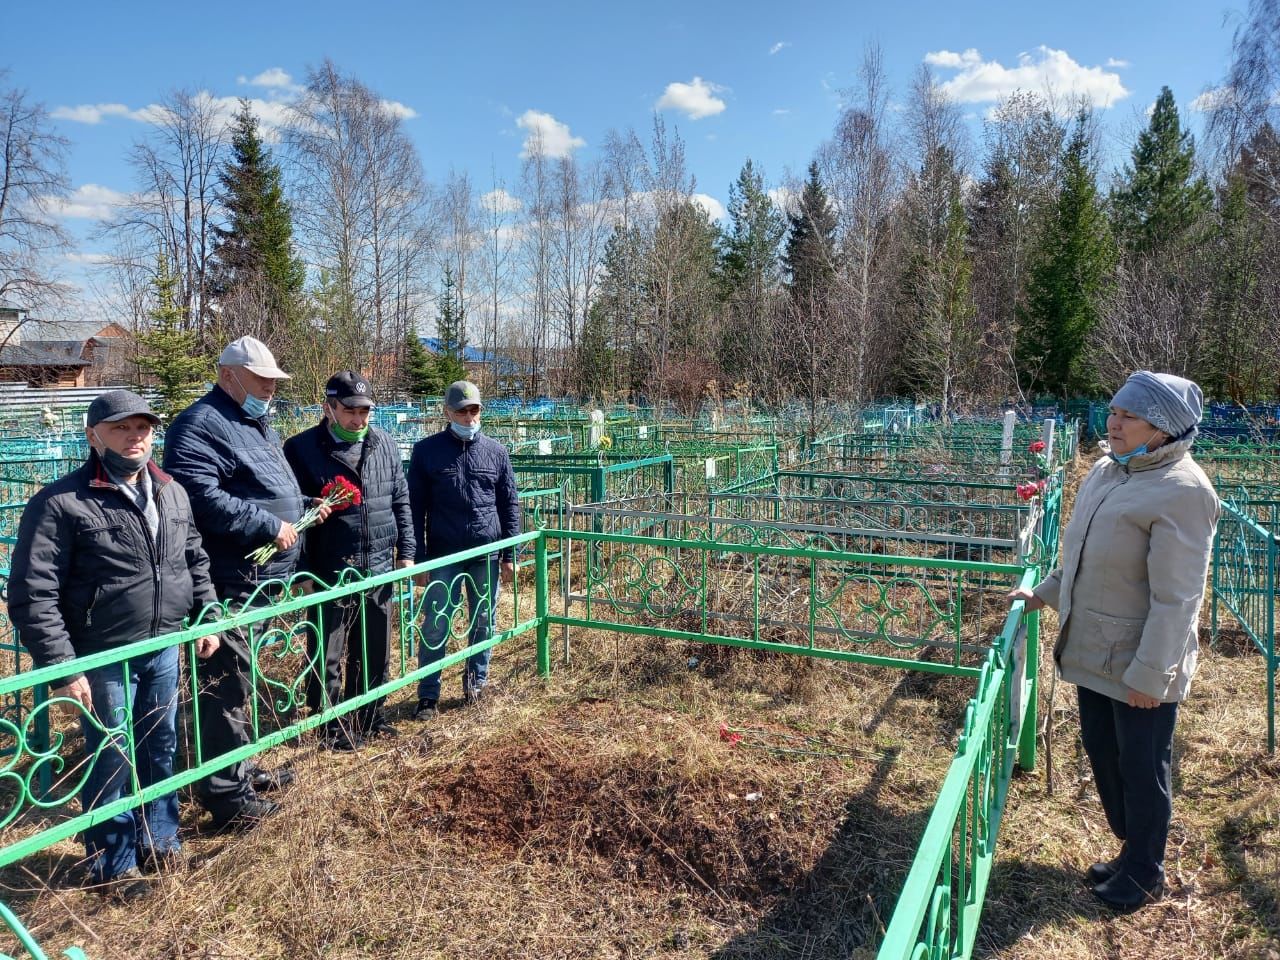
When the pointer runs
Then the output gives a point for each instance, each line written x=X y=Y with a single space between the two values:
x=252 y=354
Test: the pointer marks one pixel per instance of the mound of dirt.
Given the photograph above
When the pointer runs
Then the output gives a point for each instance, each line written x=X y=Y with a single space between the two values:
x=650 y=819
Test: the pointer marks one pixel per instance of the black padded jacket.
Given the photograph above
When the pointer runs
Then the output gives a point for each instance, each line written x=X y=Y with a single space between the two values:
x=371 y=536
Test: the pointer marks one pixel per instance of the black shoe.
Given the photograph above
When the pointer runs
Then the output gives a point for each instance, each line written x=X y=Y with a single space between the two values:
x=162 y=861
x=380 y=729
x=264 y=781
x=471 y=695
x=127 y=887
x=1124 y=893
x=426 y=709
x=343 y=740
x=1102 y=871
x=246 y=816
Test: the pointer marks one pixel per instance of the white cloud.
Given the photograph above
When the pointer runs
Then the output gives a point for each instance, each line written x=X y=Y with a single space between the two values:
x=89 y=112
x=786 y=200
x=1211 y=99
x=89 y=259
x=499 y=201
x=272 y=77
x=779 y=46
x=398 y=109
x=781 y=112
x=546 y=135
x=714 y=208
x=1117 y=63
x=988 y=81
x=88 y=202
x=697 y=98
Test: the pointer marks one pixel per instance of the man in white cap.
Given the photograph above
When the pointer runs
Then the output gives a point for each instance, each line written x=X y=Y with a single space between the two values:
x=243 y=495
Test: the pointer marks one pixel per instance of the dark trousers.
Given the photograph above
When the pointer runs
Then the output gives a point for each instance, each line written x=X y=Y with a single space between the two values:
x=358 y=631
x=224 y=685
x=1131 y=752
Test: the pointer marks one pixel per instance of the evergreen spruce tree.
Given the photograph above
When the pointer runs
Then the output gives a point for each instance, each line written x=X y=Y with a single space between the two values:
x=254 y=251
x=168 y=352
x=419 y=372
x=449 y=332
x=750 y=266
x=619 y=299
x=1159 y=199
x=1068 y=278
x=596 y=371
x=810 y=256
x=1237 y=366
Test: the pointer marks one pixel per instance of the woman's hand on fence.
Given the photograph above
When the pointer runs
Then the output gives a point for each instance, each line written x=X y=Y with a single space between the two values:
x=1032 y=602
x=77 y=690
x=508 y=572
x=206 y=647
x=1141 y=700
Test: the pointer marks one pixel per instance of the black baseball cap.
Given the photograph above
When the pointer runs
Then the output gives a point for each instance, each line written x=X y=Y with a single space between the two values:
x=349 y=389
x=118 y=405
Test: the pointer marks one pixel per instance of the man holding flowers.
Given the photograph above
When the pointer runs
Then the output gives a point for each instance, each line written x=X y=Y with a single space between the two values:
x=357 y=468
x=243 y=494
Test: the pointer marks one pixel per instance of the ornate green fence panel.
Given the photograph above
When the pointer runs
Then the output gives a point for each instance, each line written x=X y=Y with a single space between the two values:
x=1246 y=558
x=939 y=908
x=591 y=478
x=278 y=621
x=932 y=615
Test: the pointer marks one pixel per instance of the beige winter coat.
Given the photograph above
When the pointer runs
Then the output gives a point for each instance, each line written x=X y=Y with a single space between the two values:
x=1134 y=558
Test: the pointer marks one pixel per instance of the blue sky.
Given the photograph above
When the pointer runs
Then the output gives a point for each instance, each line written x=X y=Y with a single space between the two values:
x=737 y=79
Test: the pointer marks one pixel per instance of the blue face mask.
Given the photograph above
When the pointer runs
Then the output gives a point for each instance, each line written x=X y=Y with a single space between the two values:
x=255 y=407
x=464 y=432
x=1123 y=459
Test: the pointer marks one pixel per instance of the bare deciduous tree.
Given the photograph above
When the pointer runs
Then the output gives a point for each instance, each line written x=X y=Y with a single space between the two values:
x=32 y=180
x=173 y=210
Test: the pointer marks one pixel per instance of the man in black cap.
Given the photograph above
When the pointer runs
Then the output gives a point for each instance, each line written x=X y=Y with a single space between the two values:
x=371 y=538
x=108 y=555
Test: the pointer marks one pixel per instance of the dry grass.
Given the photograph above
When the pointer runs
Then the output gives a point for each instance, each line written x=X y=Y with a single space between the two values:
x=603 y=815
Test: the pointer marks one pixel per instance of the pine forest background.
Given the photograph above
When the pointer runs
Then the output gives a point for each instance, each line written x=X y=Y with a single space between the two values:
x=911 y=258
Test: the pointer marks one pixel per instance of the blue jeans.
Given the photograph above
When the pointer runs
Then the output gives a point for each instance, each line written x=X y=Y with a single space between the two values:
x=443 y=598
x=150 y=696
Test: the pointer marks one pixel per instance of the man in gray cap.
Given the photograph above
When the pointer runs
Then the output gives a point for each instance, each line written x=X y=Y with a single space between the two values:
x=243 y=495
x=106 y=556
x=462 y=494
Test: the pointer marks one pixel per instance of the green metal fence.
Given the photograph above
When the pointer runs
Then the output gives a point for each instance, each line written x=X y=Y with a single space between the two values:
x=858 y=607
x=1246 y=560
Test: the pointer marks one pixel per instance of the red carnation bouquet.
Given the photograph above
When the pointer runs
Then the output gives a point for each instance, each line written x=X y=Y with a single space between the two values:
x=338 y=494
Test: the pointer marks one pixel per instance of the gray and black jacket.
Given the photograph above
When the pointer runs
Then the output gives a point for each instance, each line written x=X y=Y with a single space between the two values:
x=367 y=537
x=87 y=575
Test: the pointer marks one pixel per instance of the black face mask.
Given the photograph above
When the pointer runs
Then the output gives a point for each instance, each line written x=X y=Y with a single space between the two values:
x=118 y=463
x=123 y=466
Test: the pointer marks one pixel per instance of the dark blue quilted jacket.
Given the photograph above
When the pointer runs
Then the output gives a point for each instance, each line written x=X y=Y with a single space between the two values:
x=463 y=494
x=233 y=469
x=367 y=537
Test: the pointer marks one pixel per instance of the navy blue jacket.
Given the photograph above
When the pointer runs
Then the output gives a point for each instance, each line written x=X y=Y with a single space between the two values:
x=367 y=537
x=462 y=494
x=87 y=575
x=240 y=485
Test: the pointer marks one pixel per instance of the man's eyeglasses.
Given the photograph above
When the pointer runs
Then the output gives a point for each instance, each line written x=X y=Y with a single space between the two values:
x=470 y=411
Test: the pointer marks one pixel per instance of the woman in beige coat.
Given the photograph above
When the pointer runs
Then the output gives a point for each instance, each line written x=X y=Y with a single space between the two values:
x=1134 y=558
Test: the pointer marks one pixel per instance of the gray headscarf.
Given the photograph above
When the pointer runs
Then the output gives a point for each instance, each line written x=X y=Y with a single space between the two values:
x=1171 y=404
